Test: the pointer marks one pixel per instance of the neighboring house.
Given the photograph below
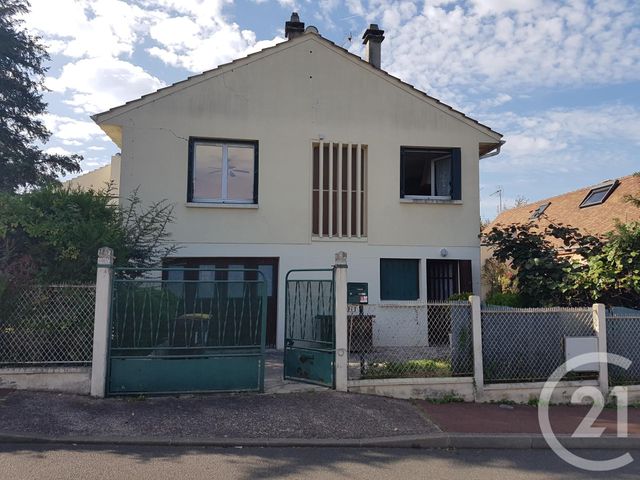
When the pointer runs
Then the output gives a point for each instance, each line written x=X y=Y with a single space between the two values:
x=100 y=178
x=594 y=210
x=280 y=159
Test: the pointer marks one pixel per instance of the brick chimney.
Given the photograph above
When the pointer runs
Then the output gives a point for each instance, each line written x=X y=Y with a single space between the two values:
x=293 y=28
x=373 y=38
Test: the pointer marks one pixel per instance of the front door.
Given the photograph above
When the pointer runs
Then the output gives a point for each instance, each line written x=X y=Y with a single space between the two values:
x=309 y=344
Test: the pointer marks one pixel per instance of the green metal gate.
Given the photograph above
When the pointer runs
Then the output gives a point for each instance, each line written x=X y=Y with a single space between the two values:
x=170 y=334
x=309 y=347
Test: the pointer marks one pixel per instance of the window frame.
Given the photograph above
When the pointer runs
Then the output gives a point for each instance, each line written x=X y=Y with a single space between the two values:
x=610 y=187
x=455 y=188
x=225 y=143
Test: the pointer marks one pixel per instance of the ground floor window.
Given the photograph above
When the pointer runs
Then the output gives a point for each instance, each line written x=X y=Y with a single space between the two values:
x=399 y=279
x=448 y=277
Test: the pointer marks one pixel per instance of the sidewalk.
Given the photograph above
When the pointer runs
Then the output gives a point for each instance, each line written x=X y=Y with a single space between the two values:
x=491 y=418
x=323 y=418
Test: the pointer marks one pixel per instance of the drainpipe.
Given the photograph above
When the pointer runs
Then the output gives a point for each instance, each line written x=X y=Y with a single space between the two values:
x=495 y=152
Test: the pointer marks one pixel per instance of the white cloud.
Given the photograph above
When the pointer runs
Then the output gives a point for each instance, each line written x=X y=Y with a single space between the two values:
x=84 y=28
x=509 y=44
x=72 y=129
x=189 y=43
x=57 y=151
x=96 y=84
x=562 y=140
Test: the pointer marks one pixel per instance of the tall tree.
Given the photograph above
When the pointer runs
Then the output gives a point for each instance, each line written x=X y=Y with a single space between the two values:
x=23 y=164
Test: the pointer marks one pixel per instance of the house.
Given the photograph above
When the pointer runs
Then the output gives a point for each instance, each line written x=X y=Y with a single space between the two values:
x=108 y=175
x=280 y=159
x=594 y=210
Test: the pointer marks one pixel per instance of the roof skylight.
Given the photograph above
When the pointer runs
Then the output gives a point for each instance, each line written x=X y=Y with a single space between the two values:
x=539 y=211
x=599 y=194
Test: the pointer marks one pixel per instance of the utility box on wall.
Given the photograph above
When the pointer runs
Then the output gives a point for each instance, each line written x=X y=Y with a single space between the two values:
x=357 y=293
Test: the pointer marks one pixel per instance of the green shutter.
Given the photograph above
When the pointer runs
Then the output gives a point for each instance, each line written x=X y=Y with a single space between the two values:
x=399 y=279
x=456 y=174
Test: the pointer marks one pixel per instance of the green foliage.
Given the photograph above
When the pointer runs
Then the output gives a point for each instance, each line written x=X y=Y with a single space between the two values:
x=457 y=297
x=507 y=299
x=541 y=274
x=22 y=131
x=498 y=276
x=411 y=368
x=612 y=276
x=52 y=235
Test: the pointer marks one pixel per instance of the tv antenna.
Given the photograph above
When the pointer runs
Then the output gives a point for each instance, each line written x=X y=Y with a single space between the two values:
x=499 y=193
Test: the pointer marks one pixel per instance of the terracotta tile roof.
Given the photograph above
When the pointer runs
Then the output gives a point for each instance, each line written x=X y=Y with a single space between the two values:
x=565 y=209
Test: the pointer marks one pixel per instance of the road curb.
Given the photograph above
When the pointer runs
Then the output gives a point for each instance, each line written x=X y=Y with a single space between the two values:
x=431 y=441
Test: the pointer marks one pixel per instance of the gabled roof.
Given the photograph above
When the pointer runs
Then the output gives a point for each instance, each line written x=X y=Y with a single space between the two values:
x=595 y=219
x=103 y=118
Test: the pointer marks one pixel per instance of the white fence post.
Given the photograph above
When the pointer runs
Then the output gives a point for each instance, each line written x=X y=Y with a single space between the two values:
x=342 y=346
x=101 y=323
x=600 y=326
x=476 y=322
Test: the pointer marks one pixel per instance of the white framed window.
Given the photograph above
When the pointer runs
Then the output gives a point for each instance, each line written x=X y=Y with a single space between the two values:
x=223 y=171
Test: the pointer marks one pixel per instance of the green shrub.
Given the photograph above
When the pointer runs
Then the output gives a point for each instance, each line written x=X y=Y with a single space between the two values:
x=507 y=299
x=457 y=297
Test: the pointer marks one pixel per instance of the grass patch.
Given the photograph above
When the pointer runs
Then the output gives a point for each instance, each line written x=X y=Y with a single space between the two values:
x=411 y=368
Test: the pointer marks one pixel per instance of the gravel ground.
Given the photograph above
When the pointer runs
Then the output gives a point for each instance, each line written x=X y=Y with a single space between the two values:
x=326 y=414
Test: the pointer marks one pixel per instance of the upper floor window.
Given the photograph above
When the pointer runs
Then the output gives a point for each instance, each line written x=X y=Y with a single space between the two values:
x=222 y=171
x=339 y=190
x=430 y=173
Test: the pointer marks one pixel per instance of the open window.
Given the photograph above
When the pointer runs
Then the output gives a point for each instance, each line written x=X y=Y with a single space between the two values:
x=430 y=173
x=223 y=171
x=599 y=194
x=537 y=213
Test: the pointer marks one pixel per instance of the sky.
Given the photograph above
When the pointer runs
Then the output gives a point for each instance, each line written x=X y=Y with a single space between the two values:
x=559 y=79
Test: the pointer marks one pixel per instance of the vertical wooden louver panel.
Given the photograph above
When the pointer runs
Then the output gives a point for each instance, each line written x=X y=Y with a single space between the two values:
x=358 y=191
x=340 y=212
x=321 y=188
x=339 y=184
x=349 y=184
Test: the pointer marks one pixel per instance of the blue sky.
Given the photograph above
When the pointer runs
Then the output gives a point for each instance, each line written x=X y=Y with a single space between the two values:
x=560 y=79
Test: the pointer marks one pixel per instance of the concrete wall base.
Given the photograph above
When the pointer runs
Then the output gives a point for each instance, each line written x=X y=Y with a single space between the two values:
x=417 y=388
x=526 y=392
x=57 y=379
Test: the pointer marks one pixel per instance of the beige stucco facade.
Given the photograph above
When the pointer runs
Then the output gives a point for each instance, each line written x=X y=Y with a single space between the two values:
x=100 y=178
x=286 y=98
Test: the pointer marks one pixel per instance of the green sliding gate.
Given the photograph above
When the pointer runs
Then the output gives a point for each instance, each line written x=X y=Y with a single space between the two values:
x=309 y=344
x=170 y=334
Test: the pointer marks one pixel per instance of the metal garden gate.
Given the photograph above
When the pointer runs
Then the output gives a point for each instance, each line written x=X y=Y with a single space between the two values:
x=309 y=347
x=169 y=334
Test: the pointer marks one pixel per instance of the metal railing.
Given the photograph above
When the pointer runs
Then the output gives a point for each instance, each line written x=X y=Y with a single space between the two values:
x=47 y=324
x=527 y=344
x=623 y=338
x=410 y=340
x=155 y=315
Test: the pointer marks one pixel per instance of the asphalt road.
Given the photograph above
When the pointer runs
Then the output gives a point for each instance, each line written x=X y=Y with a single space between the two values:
x=51 y=462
